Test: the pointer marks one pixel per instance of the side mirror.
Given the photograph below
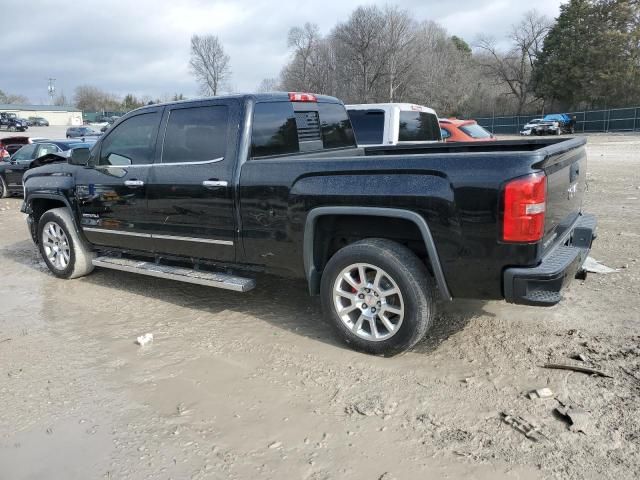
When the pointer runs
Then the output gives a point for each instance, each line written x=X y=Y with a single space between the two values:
x=79 y=156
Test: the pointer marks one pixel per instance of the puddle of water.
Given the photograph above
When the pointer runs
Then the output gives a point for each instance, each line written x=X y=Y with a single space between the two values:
x=67 y=450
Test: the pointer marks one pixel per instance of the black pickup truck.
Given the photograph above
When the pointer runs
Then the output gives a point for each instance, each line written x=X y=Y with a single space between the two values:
x=215 y=191
x=12 y=123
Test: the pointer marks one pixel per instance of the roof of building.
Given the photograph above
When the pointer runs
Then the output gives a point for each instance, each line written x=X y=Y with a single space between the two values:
x=38 y=108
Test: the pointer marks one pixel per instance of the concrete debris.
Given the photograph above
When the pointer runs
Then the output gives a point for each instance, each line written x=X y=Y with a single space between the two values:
x=541 y=393
x=580 y=356
x=578 y=417
x=372 y=406
x=530 y=430
x=145 y=339
x=593 y=266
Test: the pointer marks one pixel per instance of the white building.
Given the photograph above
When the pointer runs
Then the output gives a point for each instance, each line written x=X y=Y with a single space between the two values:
x=54 y=114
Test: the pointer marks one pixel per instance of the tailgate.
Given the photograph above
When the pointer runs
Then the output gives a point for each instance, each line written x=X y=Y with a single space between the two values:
x=565 y=165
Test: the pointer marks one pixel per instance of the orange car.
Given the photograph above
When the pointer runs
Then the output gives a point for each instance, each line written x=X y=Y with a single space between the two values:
x=454 y=130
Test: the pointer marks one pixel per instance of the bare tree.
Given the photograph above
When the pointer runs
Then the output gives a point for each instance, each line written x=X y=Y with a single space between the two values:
x=400 y=42
x=60 y=100
x=269 y=85
x=16 y=99
x=92 y=99
x=514 y=67
x=209 y=64
x=303 y=40
x=360 y=49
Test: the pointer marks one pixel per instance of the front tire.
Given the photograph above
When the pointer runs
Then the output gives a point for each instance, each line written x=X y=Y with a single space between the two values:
x=4 y=192
x=65 y=253
x=379 y=296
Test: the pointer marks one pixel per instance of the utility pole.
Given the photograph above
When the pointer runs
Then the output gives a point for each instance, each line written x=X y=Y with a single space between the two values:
x=51 y=89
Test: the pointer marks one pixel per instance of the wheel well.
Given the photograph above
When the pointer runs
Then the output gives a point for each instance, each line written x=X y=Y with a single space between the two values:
x=41 y=205
x=332 y=232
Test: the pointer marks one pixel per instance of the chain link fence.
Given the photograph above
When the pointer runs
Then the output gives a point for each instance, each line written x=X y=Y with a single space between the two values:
x=611 y=120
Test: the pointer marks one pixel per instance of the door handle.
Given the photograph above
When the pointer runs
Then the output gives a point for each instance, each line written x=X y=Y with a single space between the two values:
x=134 y=183
x=214 y=183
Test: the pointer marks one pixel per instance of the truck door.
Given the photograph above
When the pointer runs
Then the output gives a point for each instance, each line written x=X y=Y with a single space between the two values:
x=112 y=191
x=190 y=194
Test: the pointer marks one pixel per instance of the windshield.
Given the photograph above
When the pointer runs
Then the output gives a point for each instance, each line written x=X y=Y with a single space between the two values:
x=475 y=131
x=419 y=127
x=25 y=153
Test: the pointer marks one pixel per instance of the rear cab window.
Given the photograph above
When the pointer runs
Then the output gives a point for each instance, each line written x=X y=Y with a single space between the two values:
x=368 y=126
x=281 y=128
x=416 y=126
x=475 y=131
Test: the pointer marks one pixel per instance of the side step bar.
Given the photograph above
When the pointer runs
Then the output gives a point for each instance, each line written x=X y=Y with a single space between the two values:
x=188 y=275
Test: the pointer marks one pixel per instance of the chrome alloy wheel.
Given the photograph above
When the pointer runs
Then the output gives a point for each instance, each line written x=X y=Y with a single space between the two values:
x=56 y=245
x=368 y=301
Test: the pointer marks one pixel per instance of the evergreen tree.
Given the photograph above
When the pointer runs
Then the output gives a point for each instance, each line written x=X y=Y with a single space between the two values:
x=591 y=55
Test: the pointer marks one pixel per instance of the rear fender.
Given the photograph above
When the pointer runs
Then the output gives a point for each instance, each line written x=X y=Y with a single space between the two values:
x=313 y=275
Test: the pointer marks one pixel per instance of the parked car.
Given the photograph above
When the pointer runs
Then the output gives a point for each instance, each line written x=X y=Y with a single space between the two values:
x=11 y=122
x=39 y=121
x=526 y=129
x=11 y=172
x=79 y=132
x=455 y=130
x=240 y=186
x=382 y=124
x=107 y=126
x=554 y=124
x=10 y=145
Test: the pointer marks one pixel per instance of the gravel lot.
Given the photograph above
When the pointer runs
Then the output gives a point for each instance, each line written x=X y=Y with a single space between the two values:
x=239 y=386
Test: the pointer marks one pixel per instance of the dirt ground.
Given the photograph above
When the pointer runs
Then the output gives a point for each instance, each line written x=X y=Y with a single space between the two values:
x=239 y=386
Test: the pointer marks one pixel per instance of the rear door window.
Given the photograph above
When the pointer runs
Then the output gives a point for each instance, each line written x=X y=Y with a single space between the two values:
x=368 y=126
x=418 y=127
x=196 y=134
x=274 y=130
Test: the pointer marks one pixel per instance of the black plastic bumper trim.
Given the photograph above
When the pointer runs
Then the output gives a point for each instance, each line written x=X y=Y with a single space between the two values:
x=542 y=285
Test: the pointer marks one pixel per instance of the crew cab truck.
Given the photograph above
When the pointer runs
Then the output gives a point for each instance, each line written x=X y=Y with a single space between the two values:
x=384 y=124
x=213 y=191
x=12 y=123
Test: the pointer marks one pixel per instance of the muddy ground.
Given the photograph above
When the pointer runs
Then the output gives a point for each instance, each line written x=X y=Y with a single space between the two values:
x=239 y=386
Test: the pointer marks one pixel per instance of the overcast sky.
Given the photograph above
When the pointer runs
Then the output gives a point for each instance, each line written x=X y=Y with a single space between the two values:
x=142 y=46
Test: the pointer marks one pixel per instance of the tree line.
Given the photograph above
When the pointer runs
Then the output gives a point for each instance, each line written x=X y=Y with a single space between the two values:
x=589 y=57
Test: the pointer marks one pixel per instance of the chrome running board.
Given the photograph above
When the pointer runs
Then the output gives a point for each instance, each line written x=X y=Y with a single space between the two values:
x=188 y=275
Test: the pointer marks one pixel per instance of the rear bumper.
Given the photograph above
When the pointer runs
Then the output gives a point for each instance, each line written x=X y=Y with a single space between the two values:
x=542 y=285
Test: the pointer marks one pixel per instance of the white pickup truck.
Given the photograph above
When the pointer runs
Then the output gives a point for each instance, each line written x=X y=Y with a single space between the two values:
x=384 y=124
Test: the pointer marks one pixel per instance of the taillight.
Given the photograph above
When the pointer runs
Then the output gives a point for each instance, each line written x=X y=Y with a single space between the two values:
x=524 y=207
x=302 y=97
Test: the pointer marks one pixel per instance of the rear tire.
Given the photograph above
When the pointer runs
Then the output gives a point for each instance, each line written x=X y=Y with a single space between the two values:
x=65 y=253
x=366 y=313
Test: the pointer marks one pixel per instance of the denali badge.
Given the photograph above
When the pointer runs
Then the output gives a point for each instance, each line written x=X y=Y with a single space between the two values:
x=572 y=190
